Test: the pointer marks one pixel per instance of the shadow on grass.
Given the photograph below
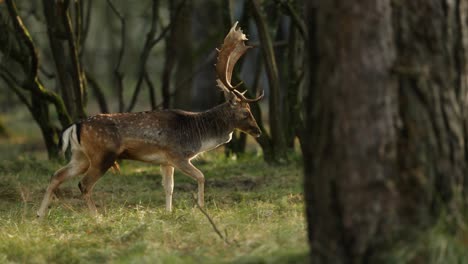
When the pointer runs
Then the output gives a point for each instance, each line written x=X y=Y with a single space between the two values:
x=286 y=258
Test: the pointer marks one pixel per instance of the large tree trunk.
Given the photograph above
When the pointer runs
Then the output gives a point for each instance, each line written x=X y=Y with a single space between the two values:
x=431 y=70
x=350 y=159
x=387 y=122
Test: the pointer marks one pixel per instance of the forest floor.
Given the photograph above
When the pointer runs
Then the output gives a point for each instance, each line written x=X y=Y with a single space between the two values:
x=257 y=207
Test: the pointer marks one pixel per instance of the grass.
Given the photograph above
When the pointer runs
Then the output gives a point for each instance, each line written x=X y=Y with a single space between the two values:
x=444 y=242
x=259 y=208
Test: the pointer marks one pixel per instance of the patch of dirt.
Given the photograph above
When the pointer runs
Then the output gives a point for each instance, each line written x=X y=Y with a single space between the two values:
x=240 y=183
x=236 y=183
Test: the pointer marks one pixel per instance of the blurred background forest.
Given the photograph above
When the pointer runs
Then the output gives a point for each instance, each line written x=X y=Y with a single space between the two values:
x=369 y=97
x=70 y=59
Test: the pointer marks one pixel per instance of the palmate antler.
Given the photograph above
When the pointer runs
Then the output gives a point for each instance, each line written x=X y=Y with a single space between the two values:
x=230 y=52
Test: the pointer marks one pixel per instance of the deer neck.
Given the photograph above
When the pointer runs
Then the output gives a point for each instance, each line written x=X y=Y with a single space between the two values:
x=215 y=127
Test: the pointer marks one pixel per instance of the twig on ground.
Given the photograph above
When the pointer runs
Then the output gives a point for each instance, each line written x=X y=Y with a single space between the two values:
x=215 y=228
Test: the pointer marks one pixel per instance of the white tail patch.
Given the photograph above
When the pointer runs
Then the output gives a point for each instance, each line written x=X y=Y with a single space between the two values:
x=69 y=137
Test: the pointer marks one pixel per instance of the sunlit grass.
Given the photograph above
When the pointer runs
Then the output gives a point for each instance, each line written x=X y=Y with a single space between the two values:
x=259 y=208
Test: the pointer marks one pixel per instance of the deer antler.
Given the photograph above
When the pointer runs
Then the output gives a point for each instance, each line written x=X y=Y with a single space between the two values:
x=230 y=52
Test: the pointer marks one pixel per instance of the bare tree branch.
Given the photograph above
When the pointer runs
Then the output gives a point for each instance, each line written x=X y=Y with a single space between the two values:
x=150 y=42
x=100 y=97
x=295 y=17
x=40 y=97
x=145 y=54
x=25 y=38
x=85 y=26
x=119 y=76
x=46 y=73
x=76 y=71
x=152 y=95
x=13 y=84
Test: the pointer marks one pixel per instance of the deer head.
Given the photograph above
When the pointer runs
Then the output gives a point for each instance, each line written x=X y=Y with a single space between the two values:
x=230 y=52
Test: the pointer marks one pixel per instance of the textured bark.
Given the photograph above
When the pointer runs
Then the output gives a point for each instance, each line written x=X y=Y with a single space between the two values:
x=431 y=69
x=387 y=117
x=350 y=157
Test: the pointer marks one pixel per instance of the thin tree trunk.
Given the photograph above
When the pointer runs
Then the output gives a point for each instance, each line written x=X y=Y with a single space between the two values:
x=275 y=111
x=169 y=62
x=98 y=93
x=182 y=42
x=65 y=54
x=3 y=130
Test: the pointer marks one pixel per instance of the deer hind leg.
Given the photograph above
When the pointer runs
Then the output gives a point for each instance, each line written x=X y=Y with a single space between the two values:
x=168 y=183
x=77 y=165
x=187 y=168
x=93 y=174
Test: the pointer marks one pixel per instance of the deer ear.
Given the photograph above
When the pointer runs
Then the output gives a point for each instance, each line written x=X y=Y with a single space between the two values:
x=228 y=95
x=231 y=98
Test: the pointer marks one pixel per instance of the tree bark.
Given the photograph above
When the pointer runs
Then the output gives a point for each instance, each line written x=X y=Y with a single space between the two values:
x=350 y=159
x=387 y=117
x=431 y=70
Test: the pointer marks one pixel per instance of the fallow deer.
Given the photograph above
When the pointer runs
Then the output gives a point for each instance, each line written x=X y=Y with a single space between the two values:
x=171 y=138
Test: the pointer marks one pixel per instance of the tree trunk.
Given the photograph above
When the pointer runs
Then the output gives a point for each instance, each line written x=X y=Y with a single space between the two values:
x=3 y=130
x=275 y=112
x=386 y=115
x=182 y=42
x=217 y=14
x=350 y=158
x=431 y=72
x=24 y=55
x=65 y=55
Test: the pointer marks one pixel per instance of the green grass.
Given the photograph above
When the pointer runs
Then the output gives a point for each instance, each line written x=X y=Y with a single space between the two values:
x=259 y=208
x=444 y=242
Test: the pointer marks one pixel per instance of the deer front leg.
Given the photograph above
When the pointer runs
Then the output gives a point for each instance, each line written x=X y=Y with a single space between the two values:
x=187 y=168
x=168 y=183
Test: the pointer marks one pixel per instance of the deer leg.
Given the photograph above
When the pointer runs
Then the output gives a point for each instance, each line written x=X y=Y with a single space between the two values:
x=86 y=186
x=168 y=183
x=78 y=165
x=187 y=168
x=99 y=165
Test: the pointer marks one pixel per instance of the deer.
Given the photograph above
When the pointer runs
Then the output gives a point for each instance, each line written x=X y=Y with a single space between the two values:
x=169 y=138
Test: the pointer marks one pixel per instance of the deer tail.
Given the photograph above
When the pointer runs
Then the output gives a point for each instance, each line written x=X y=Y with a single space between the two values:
x=70 y=137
